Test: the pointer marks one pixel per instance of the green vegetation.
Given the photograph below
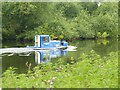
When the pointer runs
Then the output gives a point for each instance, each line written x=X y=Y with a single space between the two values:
x=23 y=20
x=88 y=71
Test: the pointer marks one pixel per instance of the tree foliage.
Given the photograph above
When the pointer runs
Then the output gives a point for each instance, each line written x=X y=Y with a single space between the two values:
x=23 y=20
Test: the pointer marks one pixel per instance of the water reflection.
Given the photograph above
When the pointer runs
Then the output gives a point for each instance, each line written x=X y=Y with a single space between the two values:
x=18 y=60
x=102 y=42
x=44 y=56
x=13 y=53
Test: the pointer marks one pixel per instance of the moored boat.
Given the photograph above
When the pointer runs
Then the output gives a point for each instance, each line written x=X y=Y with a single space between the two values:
x=44 y=42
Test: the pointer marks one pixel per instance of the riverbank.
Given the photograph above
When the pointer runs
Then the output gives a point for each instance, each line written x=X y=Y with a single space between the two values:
x=92 y=71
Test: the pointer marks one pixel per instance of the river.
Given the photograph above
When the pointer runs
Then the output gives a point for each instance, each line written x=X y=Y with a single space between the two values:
x=21 y=61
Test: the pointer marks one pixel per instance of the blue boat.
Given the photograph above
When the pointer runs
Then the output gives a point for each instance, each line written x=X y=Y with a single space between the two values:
x=44 y=42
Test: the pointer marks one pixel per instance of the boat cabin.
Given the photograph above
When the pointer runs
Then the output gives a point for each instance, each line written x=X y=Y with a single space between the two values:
x=44 y=41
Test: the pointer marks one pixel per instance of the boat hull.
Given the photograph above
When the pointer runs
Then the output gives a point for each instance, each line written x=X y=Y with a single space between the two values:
x=60 y=47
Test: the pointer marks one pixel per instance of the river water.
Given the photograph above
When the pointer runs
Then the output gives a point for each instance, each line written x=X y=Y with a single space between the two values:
x=21 y=61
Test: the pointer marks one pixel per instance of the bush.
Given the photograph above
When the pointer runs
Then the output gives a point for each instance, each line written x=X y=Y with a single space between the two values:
x=88 y=71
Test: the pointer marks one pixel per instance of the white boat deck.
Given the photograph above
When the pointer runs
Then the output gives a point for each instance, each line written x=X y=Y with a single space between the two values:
x=29 y=49
x=15 y=50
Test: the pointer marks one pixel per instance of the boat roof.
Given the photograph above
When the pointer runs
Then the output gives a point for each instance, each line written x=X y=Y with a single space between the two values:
x=42 y=35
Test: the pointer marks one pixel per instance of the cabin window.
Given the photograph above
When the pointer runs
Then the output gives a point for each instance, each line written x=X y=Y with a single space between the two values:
x=45 y=39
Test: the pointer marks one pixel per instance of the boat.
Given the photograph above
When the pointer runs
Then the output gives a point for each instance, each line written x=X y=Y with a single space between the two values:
x=43 y=42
